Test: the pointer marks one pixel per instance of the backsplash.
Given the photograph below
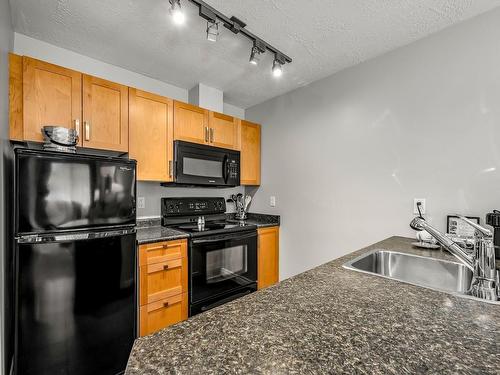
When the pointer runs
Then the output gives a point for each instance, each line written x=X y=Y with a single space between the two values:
x=153 y=192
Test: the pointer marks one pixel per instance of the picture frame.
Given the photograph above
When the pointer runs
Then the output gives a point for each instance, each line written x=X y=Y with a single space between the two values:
x=458 y=228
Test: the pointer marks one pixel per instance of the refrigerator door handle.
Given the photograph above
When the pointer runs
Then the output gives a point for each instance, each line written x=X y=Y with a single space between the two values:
x=62 y=237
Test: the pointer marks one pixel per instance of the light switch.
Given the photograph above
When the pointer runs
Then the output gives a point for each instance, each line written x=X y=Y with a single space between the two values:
x=272 y=201
x=141 y=202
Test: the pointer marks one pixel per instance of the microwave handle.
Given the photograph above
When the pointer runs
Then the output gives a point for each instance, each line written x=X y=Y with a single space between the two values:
x=237 y=236
x=225 y=168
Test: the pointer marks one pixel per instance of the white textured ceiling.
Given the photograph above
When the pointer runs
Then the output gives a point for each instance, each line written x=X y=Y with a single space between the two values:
x=321 y=36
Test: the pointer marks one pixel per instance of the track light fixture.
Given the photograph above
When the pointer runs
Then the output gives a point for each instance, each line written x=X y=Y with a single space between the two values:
x=278 y=63
x=254 y=56
x=258 y=48
x=176 y=12
x=212 y=31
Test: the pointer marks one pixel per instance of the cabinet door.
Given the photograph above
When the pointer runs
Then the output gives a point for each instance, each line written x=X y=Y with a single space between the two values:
x=250 y=153
x=162 y=280
x=163 y=313
x=105 y=114
x=268 y=257
x=151 y=135
x=162 y=252
x=223 y=131
x=190 y=123
x=52 y=95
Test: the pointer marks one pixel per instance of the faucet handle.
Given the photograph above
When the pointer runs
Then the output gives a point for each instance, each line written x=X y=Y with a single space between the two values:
x=482 y=230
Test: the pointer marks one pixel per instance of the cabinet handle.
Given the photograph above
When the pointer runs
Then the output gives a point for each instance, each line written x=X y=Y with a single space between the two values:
x=206 y=133
x=87 y=130
x=170 y=168
x=165 y=304
x=212 y=132
x=165 y=267
x=77 y=127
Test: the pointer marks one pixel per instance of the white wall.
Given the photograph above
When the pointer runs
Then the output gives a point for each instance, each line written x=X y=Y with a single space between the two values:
x=6 y=45
x=232 y=110
x=346 y=155
x=207 y=97
x=153 y=192
x=24 y=45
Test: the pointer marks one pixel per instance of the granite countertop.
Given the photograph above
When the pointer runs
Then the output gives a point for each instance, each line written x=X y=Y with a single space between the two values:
x=332 y=320
x=260 y=220
x=150 y=230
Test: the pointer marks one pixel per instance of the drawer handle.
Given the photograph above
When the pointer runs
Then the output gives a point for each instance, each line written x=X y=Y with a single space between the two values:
x=165 y=267
x=165 y=304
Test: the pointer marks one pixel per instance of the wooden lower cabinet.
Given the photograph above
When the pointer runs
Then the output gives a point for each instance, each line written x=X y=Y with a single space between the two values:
x=166 y=312
x=268 y=257
x=163 y=285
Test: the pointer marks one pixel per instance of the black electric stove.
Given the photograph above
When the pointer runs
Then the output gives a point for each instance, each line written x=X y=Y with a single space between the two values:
x=200 y=216
x=222 y=253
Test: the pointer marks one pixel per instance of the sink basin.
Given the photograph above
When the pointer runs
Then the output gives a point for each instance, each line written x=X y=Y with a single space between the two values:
x=438 y=274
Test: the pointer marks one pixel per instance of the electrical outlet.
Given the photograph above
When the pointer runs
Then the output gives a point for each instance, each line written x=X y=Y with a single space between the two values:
x=422 y=205
x=141 y=202
x=272 y=201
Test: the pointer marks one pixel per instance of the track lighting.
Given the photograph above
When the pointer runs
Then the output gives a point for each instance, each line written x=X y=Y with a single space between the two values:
x=254 y=56
x=212 y=31
x=259 y=47
x=277 y=67
x=215 y=18
x=176 y=12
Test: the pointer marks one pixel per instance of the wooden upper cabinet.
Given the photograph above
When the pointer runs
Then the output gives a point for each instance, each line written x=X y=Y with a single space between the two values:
x=190 y=123
x=105 y=114
x=268 y=257
x=223 y=130
x=250 y=153
x=151 y=130
x=52 y=95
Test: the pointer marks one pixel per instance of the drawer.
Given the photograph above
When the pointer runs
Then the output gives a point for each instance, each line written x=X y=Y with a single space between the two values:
x=162 y=280
x=162 y=251
x=163 y=313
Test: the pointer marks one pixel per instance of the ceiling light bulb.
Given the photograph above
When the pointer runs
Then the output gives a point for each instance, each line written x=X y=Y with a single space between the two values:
x=277 y=69
x=212 y=31
x=254 y=56
x=176 y=12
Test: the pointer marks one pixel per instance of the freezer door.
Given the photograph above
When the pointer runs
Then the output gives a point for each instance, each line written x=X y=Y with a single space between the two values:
x=65 y=192
x=75 y=306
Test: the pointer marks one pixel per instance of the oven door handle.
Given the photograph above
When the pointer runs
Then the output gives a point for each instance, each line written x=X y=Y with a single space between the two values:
x=234 y=236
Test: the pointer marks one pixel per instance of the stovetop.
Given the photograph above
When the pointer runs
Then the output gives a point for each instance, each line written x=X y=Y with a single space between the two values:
x=213 y=227
x=183 y=213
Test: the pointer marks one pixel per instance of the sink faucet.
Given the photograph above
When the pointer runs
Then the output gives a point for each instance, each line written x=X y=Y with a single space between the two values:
x=485 y=279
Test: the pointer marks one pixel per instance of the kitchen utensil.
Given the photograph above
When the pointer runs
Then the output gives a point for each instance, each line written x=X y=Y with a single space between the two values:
x=248 y=199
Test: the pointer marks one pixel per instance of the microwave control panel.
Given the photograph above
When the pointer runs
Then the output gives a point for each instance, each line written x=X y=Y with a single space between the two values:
x=233 y=169
x=192 y=206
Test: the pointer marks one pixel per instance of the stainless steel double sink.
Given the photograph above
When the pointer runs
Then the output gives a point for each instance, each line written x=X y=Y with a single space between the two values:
x=427 y=272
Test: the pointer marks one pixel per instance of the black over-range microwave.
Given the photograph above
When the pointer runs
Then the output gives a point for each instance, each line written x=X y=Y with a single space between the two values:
x=202 y=165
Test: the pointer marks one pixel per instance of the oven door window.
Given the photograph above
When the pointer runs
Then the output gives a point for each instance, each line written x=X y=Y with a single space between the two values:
x=219 y=266
x=226 y=264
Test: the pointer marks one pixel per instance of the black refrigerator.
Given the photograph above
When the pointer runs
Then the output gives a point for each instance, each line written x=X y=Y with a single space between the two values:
x=74 y=263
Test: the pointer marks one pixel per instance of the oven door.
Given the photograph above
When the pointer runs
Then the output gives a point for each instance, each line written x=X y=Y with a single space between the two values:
x=205 y=165
x=222 y=267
